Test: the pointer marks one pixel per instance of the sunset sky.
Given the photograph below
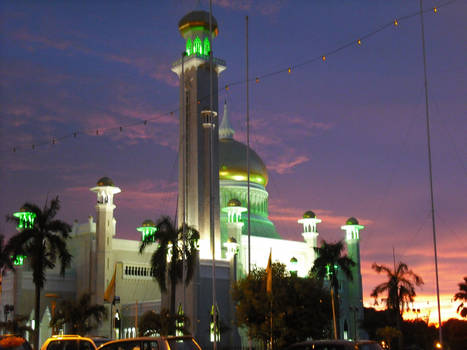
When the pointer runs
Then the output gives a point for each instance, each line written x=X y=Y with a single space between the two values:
x=342 y=137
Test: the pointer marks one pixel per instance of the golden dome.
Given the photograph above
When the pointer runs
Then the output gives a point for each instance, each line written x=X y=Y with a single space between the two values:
x=233 y=166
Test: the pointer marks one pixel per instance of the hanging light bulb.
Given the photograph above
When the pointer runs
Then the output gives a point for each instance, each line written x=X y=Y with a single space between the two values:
x=359 y=42
x=289 y=70
x=396 y=23
x=257 y=79
x=226 y=88
x=435 y=10
x=323 y=58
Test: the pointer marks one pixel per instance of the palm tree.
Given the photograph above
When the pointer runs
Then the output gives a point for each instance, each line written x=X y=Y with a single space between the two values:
x=462 y=296
x=81 y=316
x=329 y=261
x=169 y=247
x=400 y=289
x=6 y=262
x=43 y=243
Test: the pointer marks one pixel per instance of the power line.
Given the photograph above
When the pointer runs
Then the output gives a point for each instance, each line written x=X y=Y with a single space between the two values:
x=257 y=79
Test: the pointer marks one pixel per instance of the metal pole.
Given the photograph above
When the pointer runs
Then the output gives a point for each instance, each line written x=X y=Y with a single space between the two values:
x=184 y=170
x=248 y=149
x=211 y=184
x=427 y=114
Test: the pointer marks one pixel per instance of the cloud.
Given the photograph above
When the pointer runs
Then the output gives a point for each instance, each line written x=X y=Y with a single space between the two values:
x=285 y=164
x=144 y=64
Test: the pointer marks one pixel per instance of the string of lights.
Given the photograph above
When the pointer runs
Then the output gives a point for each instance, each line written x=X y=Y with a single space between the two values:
x=257 y=79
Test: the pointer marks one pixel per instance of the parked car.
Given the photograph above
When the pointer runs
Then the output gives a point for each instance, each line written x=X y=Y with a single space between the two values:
x=152 y=343
x=336 y=345
x=13 y=342
x=69 y=342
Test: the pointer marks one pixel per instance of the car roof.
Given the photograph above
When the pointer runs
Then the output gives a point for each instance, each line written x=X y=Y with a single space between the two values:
x=163 y=338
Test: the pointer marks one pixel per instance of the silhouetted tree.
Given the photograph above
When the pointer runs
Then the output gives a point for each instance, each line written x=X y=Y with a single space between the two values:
x=43 y=243
x=80 y=315
x=462 y=296
x=400 y=290
x=329 y=261
x=169 y=244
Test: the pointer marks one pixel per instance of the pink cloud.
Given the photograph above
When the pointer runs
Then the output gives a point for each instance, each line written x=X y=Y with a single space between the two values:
x=285 y=164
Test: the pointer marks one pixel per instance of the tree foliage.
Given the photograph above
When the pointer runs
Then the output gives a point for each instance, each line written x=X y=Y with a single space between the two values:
x=462 y=296
x=43 y=243
x=80 y=315
x=300 y=307
x=399 y=286
x=330 y=260
x=169 y=241
x=16 y=326
x=152 y=323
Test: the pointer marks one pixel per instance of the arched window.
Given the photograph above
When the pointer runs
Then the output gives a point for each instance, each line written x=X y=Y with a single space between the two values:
x=197 y=46
x=188 y=47
x=207 y=46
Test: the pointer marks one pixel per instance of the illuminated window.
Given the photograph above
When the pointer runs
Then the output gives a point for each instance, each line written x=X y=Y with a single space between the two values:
x=207 y=46
x=197 y=46
x=188 y=47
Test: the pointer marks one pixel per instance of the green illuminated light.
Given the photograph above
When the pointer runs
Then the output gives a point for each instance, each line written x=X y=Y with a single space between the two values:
x=188 y=47
x=214 y=330
x=197 y=46
x=147 y=231
x=207 y=46
x=19 y=261
x=26 y=219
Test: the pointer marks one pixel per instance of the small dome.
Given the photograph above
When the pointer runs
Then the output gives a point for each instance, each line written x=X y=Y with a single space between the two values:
x=309 y=215
x=293 y=260
x=148 y=223
x=351 y=221
x=197 y=19
x=105 y=181
x=231 y=240
x=234 y=202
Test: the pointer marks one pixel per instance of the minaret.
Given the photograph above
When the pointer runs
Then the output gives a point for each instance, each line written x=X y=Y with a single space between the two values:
x=234 y=212
x=310 y=233
x=352 y=238
x=105 y=230
x=195 y=172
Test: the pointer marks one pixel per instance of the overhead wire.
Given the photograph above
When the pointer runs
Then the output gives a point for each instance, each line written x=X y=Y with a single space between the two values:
x=257 y=79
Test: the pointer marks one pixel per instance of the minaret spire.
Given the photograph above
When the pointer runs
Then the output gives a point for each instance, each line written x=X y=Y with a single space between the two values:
x=225 y=130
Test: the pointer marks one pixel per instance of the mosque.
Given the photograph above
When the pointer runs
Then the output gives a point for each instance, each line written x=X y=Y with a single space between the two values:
x=213 y=197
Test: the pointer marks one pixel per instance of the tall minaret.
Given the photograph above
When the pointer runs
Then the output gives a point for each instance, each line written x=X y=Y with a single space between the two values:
x=105 y=230
x=352 y=238
x=310 y=233
x=195 y=172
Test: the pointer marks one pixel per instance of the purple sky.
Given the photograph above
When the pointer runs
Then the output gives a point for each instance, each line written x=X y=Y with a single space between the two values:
x=345 y=137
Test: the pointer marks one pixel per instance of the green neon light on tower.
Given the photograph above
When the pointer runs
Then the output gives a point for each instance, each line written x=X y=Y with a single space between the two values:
x=19 y=261
x=207 y=46
x=197 y=46
x=147 y=229
x=188 y=47
x=26 y=219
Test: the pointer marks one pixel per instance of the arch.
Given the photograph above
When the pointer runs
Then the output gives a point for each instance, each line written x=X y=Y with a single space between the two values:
x=197 y=46
x=207 y=46
x=189 y=47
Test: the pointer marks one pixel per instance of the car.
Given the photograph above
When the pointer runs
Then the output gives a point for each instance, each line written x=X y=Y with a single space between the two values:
x=152 y=343
x=13 y=342
x=336 y=345
x=69 y=342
